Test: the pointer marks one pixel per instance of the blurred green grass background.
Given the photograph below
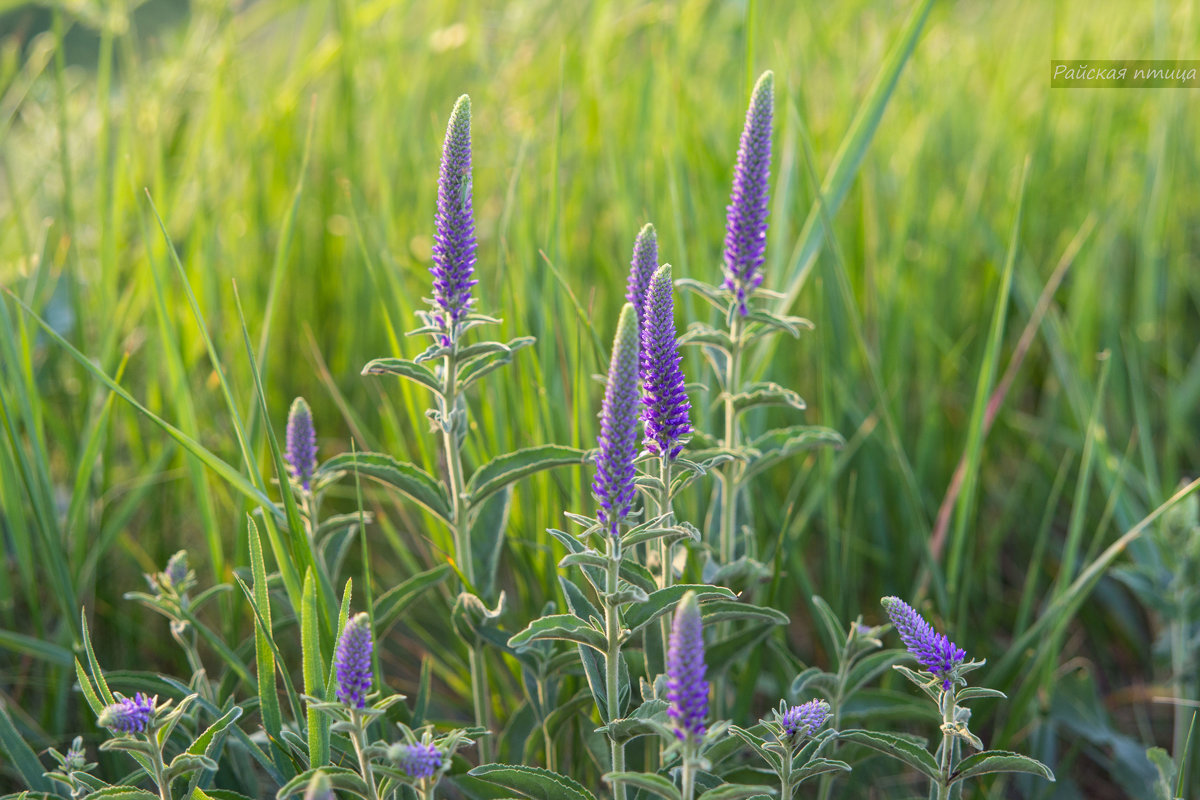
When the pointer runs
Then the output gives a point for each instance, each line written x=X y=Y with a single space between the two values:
x=589 y=120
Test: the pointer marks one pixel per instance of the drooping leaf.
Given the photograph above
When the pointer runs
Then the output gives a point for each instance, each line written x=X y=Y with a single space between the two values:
x=990 y=761
x=567 y=627
x=900 y=748
x=409 y=479
x=511 y=467
x=411 y=370
x=655 y=784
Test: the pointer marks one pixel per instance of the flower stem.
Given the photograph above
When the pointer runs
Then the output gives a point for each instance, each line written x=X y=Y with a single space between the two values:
x=688 y=777
x=612 y=669
x=730 y=476
x=462 y=546
x=947 y=760
x=359 y=739
x=156 y=763
x=665 y=546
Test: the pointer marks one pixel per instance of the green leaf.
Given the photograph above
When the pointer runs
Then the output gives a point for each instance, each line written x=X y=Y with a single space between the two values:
x=898 y=747
x=735 y=791
x=726 y=610
x=532 y=782
x=999 y=761
x=818 y=766
x=122 y=793
x=36 y=648
x=313 y=667
x=488 y=528
x=417 y=373
x=975 y=692
x=759 y=395
x=664 y=600
x=206 y=740
x=777 y=445
x=408 y=479
x=20 y=754
x=567 y=627
x=511 y=467
x=272 y=716
x=340 y=778
x=1167 y=773
x=392 y=603
x=831 y=626
x=655 y=784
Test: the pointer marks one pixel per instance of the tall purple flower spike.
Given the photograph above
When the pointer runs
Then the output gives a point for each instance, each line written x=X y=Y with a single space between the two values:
x=613 y=485
x=933 y=651
x=454 y=227
x=645 y=262
x=352 y=661
x=687 y=690
x=746 y=214
x=804 y=719
x=129 y=714
x=666 y=403
x=301 y=454
x=419 y=760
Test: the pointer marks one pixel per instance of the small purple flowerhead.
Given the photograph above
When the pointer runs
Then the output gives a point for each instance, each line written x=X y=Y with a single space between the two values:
x=454 y=243
x=687 y=690
x=76 y=757
x=804 y=720
x=666 y=402
x=353 y=661
x=613 y=484
x=645 y=261
x=933 y=651
x=301 y=452
x=129 y=714
x=419 y=761
x=176 y=571
x=746 y=214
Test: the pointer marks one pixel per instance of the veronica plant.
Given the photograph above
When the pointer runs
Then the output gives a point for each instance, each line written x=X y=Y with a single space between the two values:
x=74 y=770
x=797 y=739
x=746 y=323
x=941 y=677
x=448 y=368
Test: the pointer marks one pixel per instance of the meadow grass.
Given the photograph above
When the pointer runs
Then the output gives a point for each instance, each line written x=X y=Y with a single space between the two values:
x=291 y=149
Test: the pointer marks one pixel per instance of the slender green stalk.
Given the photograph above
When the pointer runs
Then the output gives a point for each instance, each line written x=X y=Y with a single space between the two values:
x=612 y=670
x=359 y=739
x=156 y=764
x=1179 y=653
x=480 y=694
x=688 y=776
x=731 y=475
x=666 y=547
x=839 y=697
x=946 y=765
x=785 y=774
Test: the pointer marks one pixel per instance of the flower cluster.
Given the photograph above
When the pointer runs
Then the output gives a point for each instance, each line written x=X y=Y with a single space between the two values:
x=933 y=651
x=353 y=661
x=645 y=261
x=687 y=690
x=301 y=452
x=804 y=719
x=667 y=406
x=746 y=215
x=454 y=243
x=421 y=760
x=613 y=486
x=129 y=714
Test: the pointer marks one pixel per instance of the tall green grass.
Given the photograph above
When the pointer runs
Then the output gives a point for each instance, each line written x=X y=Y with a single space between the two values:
x=292 y=148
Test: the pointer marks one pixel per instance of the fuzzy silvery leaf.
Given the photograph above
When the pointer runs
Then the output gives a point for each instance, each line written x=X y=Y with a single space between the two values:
x=533 y=782
x=567 y=627
x=647 y=782
x=403 y=368
x=511 y=467
x=902 y=748
x=991 y=761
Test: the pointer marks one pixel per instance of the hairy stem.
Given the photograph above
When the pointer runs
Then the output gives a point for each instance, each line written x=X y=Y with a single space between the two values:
x=359 y=739
x=612 y=685
x=666 y=548
x=947 y=761
x=481 y=700
x=730 y=476
x=688 y=776
x=156 y=764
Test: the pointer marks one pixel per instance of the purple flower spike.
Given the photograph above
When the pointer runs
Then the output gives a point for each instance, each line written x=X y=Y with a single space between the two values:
x=613 y=485
x=454 y=227
x=645 y=261
x=933 y=651
x=418 y=761
x=687 y=691
x=667 y=406
x=129 y=714
x=301 y=452
x=353 y=661
x=804 y=719
x=746 y=214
